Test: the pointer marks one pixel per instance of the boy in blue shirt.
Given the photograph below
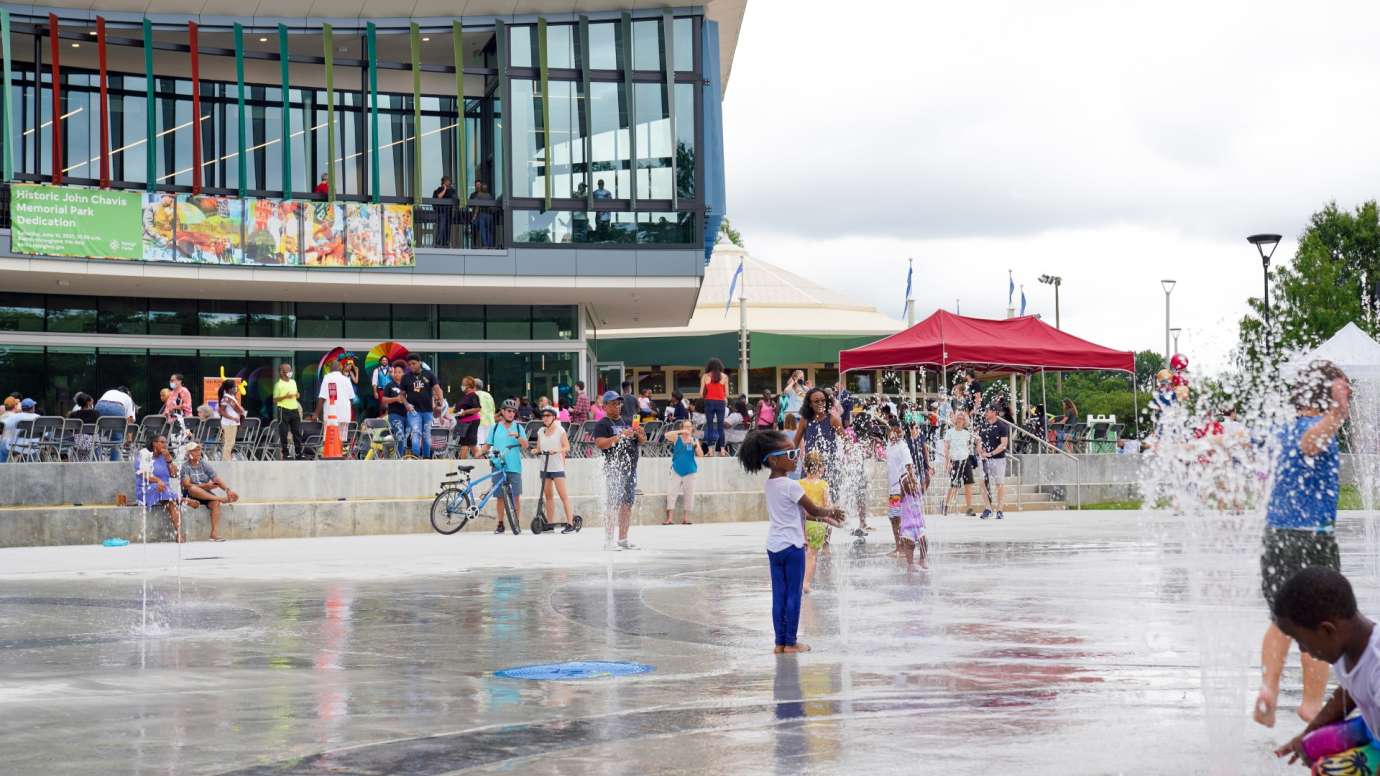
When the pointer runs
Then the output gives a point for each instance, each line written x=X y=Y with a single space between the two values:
x=508 y=439
x=1299 y=522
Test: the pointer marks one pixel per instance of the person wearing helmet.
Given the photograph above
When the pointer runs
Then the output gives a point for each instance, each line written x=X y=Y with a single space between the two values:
x=507 y=440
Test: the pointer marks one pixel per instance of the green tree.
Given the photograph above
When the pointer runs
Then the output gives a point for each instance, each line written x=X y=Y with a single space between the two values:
x=1331 y=281
x=727 y=232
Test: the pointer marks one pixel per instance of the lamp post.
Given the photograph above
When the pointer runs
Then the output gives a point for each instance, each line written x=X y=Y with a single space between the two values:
x=1168 y=286
x=1175 y=332
x=1265 y=244
x=1056 y=281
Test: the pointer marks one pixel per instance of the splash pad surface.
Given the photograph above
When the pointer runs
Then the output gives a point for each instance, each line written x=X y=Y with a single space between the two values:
x=1047 y=643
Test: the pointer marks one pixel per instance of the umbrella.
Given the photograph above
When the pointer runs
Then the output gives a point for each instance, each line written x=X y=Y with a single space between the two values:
x=333 y=354
x=390 y=350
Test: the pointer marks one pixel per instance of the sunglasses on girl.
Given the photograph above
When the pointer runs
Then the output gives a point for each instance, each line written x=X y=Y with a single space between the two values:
x=790 y=454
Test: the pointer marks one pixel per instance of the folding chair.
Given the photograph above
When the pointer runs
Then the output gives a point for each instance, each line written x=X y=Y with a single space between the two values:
x=24 y=449
x=109 y=438
x=47 y=437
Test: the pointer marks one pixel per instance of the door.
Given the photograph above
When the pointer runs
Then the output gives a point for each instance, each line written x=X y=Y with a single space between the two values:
x=610 y=376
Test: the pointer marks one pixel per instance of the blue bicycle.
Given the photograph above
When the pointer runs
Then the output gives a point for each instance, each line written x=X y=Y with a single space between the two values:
x=455 y=503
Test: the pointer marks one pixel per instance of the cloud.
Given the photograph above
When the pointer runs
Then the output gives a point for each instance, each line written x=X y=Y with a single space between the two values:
x=1081 y=134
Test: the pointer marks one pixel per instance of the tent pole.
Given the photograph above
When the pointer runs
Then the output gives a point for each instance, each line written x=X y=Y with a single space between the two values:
x=1135 y=409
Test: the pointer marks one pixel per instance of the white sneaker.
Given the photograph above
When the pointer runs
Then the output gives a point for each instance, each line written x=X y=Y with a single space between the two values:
x=626 y=545
x=611 y=547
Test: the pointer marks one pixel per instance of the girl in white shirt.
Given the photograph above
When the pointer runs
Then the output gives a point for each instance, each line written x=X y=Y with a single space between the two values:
x=787 y=510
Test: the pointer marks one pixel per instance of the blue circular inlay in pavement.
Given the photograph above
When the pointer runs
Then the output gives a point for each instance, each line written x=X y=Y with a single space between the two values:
x=578 y=669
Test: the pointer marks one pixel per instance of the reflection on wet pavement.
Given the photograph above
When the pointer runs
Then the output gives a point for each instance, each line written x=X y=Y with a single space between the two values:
x=1071 y=654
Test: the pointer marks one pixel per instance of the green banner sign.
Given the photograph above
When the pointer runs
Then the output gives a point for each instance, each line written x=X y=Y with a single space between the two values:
x=65 y=221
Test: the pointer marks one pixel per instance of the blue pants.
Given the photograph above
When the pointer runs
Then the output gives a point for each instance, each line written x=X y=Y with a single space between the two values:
x=787 y=580
x=714 y=424
x=397 y=424
x=419 y=429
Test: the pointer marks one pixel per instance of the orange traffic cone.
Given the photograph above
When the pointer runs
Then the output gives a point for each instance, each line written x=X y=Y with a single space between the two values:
x=330 y=446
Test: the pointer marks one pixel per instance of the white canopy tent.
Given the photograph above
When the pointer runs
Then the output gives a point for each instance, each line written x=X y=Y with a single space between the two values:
x=1351 y=349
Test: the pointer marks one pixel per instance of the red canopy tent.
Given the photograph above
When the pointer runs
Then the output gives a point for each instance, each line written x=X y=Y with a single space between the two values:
x=1024 y=345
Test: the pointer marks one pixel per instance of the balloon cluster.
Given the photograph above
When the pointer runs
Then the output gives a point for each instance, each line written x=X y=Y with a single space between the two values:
x=1171 y=385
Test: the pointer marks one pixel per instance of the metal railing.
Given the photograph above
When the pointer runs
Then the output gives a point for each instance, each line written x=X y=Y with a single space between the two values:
x=1044 y=444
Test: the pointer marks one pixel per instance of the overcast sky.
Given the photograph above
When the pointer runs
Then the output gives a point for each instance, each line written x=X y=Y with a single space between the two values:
x=1114 y=144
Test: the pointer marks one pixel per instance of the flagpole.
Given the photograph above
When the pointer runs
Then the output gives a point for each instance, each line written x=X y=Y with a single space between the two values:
x=742 y=332
x=910 y=322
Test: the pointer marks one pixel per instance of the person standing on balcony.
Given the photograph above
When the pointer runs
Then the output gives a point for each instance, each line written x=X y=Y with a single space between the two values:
x=602 y=217
x=323 y=186
x=483 y=218
x=445 y=212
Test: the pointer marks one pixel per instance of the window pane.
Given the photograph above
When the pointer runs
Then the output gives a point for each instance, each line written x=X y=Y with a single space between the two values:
x=760 y=380
x=553 y=322
x=413 y=321
x=222 y=318
x=646 y=44
x=825 y=377
x=21 y=312
x=653 y=142
x=508 y=375
x=127 y=367
x=452 y=369
x=72 y=314
x=685 y=140
x=552 y=371
x=603 y=46
x=522 y=45
x=567 y=139
x=271 y=319
x=68 y=371
x=560 y=46
x=461 y=321
x=684 y=31
x=24 y=371
x=537 y=226
x=610 y=146
x=529 y=143
x=508 y=322
x=173 y=316
x=686 y=381
x=656 y=380
x=367 y=321
x=666 y=228
x=319 y=319
x=121 y=315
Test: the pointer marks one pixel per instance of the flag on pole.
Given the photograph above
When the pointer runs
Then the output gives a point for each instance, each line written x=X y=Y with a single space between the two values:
x=1022 y=299
x=1010 y=288
x=910 y=270
x=733 y=285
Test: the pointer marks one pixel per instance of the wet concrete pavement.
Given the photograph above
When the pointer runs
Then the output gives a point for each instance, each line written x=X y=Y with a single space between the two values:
x=1044 y=644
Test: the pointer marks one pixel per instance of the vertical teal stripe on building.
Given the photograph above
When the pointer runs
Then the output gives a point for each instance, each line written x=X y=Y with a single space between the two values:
x=371 y=43
x=150 y=113
x=7 y=162
x=668 y=74
x=548 y=153
x=241 y=153
x=586 y=112
x=284 y=68
x=504 y=95
x=630 y=105
x=462 y=167
x=328 y=48
x=416 y=45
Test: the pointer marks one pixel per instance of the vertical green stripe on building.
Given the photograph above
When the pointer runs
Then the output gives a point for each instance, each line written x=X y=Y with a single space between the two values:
x=548 y=153
x=586 y=112
x=242 y=153
x=415 y=39
x=284 y=68
x=630 y=105
x=7 y=162
x=504 y=95
x=150 y=113
x=462 y=167
x=668 y=74
x=371 y=43
x=328 y=48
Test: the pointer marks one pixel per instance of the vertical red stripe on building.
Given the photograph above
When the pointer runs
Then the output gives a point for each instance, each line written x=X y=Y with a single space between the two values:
x=105 y=104
x=57 y=99
x=196 y=110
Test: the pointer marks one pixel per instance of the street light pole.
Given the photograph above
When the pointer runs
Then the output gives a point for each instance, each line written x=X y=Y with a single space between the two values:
x=1175 y=331
x=1056 y=281
x=1265 y=244
x=1168 y=286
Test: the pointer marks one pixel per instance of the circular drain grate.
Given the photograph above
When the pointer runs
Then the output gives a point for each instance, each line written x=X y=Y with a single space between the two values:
x=579 y=669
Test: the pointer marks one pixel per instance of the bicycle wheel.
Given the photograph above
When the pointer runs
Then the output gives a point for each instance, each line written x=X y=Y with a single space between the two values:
x=451 y=509
x=511 y=504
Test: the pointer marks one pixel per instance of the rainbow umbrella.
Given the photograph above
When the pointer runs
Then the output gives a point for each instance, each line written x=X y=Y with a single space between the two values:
x=333 y=354
x=390 y=350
